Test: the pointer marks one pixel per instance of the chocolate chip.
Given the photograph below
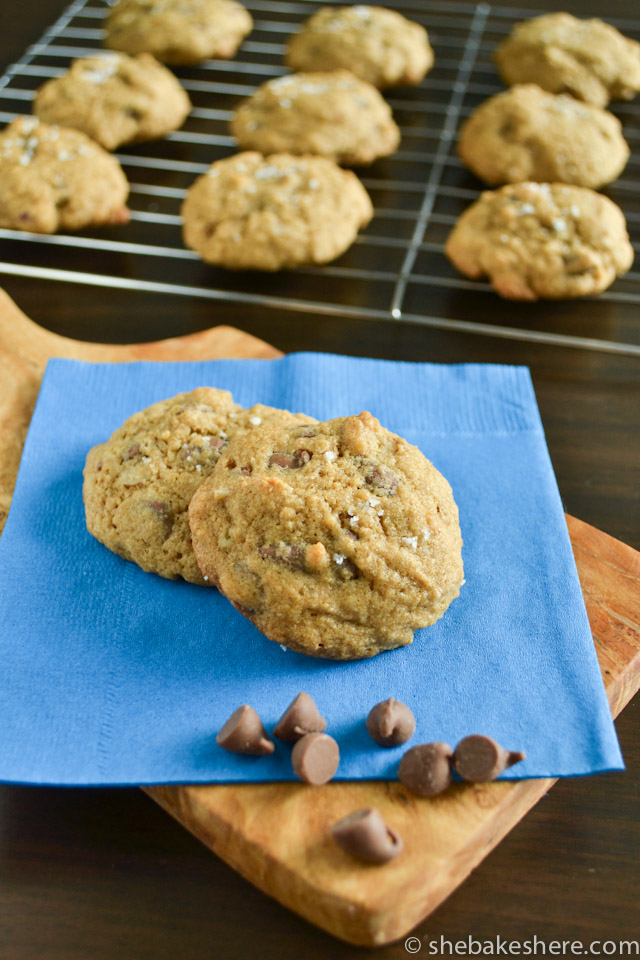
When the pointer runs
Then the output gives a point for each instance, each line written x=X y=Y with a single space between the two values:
x=391 y=723
x=217 y=443
x=164 y=513
x=291 y=555
x=301 y=717
x=381 y=479
x=290 y=461
x=315 y=758
x=243 y=733
x=365 y=835
x=426 y=769
x=479 y=758
x=132 y=452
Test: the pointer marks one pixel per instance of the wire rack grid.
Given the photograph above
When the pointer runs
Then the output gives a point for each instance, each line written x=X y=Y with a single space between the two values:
x=396 y=270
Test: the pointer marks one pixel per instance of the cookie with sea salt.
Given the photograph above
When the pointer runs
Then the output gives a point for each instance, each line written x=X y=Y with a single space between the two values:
x=178 y=31
x=115 y=99
x=332 y=114
x=338 y=539
x=137 y=485
x=589 y=59
x=526 y=133
x=54 y=178
x=378 y=45
x=250 y=212
x=542 y=240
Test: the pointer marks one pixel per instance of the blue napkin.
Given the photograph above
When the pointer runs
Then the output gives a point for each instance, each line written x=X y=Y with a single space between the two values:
x=114 y=676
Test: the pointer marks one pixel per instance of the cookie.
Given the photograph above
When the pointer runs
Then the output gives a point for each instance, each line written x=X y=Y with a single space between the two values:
x=332 y=114
x=378 y=45
x=137 y=485
x=115 y=99
x=589 y=59
x=542 y=240
x=526 y=133
x=178 y=31
x=338 y=539
x=53 y=178
x=250 y=212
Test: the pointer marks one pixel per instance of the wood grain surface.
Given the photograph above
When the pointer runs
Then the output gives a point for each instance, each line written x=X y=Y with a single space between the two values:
x=276 y=835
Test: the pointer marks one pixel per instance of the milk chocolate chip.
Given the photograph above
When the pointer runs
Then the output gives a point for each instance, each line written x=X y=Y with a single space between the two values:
x=365 y=835
x=301 y=717
x=243 y=733
x=315 y=758
x=290 y=461
x=480 y=758
x=391 y=723
x=426 y=769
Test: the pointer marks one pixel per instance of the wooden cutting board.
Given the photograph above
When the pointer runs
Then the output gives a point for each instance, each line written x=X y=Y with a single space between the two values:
x=276 y=834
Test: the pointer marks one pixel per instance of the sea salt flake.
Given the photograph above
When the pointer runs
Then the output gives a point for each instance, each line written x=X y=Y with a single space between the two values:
x=527 y=208
x=559 y=224
x=410 y=542
x=574 y=210
x=339 y=558
x=256 y=421
x=330 y=455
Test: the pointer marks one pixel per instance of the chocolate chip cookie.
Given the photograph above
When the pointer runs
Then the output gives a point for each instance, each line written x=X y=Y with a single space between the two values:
x=526 y=133
x=338 y=539
x=251 y=212
x=332 y=114
x=178 y=31
x=378 y=45
x=53 y=178
x=542 y=240
x=137 y=485
x=589 y=59
x=115 y=99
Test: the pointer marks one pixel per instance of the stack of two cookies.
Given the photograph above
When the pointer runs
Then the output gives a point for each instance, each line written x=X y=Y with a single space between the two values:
x=337 y=539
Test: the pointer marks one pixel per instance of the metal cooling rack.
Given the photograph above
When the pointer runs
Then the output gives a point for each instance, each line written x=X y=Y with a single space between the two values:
x=396 y=269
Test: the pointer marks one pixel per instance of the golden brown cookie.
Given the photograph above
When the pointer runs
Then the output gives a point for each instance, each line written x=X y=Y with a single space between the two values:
x=251 y=212
x=378 y=45
x=526 y=133
x=137 y=485
x=115 y=99
x=53 y=178
x=542 y=240
x=178 y=31
x=331 y=114
x=338 y=539
x=589 y=59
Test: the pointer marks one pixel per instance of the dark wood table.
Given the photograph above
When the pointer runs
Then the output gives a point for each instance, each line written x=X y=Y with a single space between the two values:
x=106 y=874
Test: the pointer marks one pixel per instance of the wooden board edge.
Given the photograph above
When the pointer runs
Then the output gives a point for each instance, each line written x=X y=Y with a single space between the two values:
x=368 y=925
x=203 y=811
